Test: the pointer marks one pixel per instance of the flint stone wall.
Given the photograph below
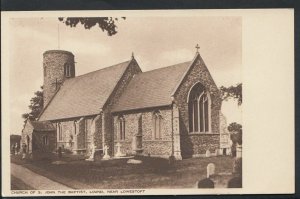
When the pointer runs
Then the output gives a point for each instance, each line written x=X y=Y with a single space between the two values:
x=195 y=144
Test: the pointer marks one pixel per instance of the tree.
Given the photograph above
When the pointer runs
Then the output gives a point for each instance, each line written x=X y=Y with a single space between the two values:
x=234 y=92
x=36 y=106
x=104 y=23
x=236 y=133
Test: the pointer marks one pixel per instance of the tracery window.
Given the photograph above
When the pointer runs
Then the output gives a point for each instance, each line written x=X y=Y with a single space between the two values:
x=199 y=109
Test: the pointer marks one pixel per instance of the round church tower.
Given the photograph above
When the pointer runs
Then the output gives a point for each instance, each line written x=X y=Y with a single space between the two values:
x=58 y=65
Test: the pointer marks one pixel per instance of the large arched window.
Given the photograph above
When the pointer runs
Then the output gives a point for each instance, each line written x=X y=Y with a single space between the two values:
x=121 y=128
x=199 y=109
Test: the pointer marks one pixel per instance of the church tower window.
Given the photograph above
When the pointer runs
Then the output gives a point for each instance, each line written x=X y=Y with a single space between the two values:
x=122 y=128
x=199 y=109
x=67 y=70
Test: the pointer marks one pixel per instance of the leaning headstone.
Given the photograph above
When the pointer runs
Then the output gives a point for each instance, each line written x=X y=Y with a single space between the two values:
x=210 y=169
x=207 y=154
x=106 y=156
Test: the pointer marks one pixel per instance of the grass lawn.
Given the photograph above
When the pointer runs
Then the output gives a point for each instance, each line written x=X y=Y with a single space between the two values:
x=117 y=174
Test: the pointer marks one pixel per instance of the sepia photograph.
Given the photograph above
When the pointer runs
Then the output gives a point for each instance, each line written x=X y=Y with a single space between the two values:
x=107 y=103
x=122 y=104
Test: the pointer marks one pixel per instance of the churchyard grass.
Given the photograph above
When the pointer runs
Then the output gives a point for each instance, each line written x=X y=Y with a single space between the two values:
x=115 y=174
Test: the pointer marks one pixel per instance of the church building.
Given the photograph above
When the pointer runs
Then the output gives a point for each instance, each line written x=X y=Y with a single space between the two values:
x=170 y=111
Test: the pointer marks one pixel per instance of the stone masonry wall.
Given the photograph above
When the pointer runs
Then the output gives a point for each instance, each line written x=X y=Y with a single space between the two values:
x=132 y=69
x=195 y=144
x=144 y=121
x=78 y=135
x=67 y=129
x=38 y=145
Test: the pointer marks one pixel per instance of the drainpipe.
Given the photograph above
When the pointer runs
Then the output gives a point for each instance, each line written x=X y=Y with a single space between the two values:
x=103 y=129
x=172 y=97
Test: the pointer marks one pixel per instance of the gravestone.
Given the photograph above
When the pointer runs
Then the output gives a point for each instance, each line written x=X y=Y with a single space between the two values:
x=210 y=169
x=119 y=153
x=207 y=153
x=106 y=156
x=216 y=152
x=207 y=182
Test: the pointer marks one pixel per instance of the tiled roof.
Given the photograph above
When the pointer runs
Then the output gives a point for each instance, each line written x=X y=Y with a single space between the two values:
x=42 y=126
x=151 y=89
x=84 y=95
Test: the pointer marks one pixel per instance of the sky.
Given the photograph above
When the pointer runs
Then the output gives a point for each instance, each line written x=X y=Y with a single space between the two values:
x=155 y=41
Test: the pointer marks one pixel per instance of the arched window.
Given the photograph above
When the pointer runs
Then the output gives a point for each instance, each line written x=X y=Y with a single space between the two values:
x=67 y=70
x=45 y=140
x=122 y=128
x=157 y=121
x=199 y=109
x=59 y=131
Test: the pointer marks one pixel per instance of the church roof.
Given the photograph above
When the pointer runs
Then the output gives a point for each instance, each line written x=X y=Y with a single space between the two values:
x=152 y=89
x=84 y=95
x=42 y=126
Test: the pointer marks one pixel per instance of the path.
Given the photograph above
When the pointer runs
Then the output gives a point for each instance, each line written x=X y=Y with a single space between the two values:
x=35 y=180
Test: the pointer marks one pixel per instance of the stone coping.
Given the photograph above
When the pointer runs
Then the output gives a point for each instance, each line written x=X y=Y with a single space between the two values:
x=57 y=51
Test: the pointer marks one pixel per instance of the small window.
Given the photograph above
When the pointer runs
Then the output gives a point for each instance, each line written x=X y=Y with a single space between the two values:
x=45 y=140
x=59 y=129
x=157 y=124
x=67 y=70
x=122 y=128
